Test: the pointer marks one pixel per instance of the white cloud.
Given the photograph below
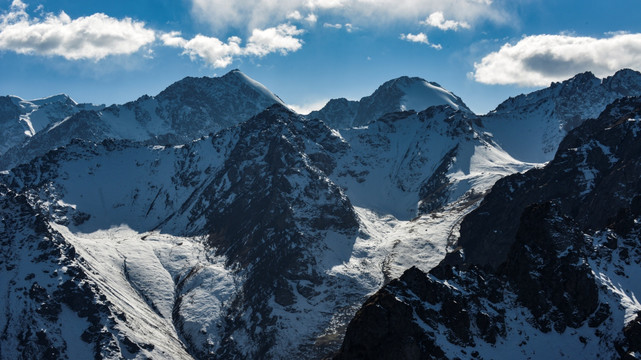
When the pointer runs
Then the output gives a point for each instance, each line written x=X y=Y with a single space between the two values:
x=294 y=15
x=250 y=14
x=420 y=38
x=437 y=19
x=277 y=39
x=18 y=6
x=332 y=26
x=91 y=37
x=541 y=59
x=348 y=27
x=297 y=16
x=324 y=4
x=311 y=18
x=219 y=54
x=210 y=49
x=173 y=39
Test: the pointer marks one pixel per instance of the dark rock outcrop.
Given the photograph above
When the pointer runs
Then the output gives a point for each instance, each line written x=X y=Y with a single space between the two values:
x=593 y=175
x=267 y=225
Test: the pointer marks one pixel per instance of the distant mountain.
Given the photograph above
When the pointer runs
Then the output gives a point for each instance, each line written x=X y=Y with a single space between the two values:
x=530 y=127
x=548 y=265
x=21 y=119
x=186 y=110
x=401 y=94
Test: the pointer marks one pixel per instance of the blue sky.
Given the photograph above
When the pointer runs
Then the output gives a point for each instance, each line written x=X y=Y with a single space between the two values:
x=308 y=51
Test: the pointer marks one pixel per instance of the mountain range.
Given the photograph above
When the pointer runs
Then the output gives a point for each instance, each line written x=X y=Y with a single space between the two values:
x=211 y=221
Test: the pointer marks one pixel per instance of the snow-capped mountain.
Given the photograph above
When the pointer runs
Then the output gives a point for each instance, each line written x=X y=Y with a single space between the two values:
x=401 y=94
x=186 y=110
x=548 y=264
x=530 y=127
x=21 y=119
x=210 y=221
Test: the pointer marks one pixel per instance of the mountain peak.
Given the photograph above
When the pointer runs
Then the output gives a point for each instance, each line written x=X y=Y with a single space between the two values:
x=582 y=81
x=587 y=75
x=626 y=73
x=400 y=94
x=404 y=81
x=60 y=98
x=403 y=94
x=233 y=81
x=626 y=82
x=418 y=94
x=234 y=74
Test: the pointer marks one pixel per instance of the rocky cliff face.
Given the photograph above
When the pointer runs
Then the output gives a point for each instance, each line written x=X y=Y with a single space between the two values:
x=557 y=295
x=592 y=174
x=268 y=213
x=552 y=286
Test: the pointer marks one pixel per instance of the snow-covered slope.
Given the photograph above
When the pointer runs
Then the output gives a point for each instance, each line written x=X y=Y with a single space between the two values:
x=530 y=127
x=437 y=156
x=186 y=110
x=401 y=94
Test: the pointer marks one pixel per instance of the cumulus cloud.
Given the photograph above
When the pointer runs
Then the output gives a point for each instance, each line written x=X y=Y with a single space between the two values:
x=437 y=20
x=222 y=14
x=211 y=49
x=541 y=59
x=420 y=38
x=280 y=39
x=91 y=37
x=277 y=39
